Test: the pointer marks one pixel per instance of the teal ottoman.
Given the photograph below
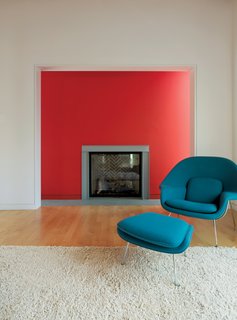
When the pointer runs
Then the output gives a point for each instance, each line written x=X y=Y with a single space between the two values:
x=156 y=232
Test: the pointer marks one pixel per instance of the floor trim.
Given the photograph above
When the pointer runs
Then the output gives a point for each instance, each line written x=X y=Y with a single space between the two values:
x=102 y=202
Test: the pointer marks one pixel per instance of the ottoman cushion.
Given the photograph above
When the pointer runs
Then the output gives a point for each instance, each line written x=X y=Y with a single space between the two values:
x=156 y=229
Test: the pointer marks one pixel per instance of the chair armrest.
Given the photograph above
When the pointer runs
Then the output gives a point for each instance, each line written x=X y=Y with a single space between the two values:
x=170 y=192
x=223 y=203
x=227 y=196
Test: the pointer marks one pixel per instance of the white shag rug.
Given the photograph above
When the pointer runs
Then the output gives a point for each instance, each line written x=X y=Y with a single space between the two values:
x=90 y=283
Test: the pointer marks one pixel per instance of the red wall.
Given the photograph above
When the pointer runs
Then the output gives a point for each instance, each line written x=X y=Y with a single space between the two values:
x=111 y=108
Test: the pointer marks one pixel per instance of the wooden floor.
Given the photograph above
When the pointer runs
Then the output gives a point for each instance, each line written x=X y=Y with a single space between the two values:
x=93 y=226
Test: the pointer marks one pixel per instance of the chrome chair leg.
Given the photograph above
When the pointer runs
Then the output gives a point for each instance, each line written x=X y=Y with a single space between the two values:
x=125 y=254
x=233 y=216
x=215 y=232
x=175 y=279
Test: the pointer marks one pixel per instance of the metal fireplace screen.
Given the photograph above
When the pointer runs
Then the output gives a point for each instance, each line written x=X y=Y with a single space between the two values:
x=115 y=174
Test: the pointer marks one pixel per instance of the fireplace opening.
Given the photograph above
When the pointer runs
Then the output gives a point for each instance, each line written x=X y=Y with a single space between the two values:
x=115 y=174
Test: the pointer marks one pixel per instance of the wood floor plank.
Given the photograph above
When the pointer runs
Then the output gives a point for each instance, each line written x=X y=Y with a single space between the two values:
x=93 y=226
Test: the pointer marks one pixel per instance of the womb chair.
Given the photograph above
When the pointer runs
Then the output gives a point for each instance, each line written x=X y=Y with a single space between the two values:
x=200 y=187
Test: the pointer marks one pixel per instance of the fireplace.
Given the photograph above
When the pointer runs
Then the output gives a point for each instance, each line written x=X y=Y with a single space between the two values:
x=115 y=172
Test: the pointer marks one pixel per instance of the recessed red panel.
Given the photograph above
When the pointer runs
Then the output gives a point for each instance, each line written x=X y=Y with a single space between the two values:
x=111 y=108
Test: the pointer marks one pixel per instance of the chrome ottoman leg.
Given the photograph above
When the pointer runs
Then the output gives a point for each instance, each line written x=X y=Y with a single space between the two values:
x=215 y=232
x=175 y=278
x=125 y=254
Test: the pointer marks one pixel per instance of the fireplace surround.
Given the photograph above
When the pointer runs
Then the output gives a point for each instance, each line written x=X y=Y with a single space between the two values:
x=115 y=171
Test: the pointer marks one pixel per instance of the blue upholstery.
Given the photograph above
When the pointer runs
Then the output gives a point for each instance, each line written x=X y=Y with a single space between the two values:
x=200 y=187
x=207 y=190
x=156 y=232
x=192 y=206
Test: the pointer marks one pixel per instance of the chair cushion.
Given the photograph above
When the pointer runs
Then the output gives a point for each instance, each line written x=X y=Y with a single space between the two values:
x=206 y=190
x=192 y=206
x=156 y=229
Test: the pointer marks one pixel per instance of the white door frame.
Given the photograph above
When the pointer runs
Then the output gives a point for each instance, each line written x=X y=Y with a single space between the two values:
x=37 y=110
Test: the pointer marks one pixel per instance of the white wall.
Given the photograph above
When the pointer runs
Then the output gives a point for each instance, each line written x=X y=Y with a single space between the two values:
x=108 y=32
x=235 y=81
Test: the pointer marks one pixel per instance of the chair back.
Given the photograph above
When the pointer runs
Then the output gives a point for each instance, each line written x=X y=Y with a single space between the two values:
x=216 y=168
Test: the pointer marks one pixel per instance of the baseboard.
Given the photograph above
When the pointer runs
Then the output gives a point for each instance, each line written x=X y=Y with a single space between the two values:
x=17 y=206
x=102 y=202
x=94 y=202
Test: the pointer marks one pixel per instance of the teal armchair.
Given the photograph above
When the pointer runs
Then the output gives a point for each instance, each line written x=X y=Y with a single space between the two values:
x=200 y=187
